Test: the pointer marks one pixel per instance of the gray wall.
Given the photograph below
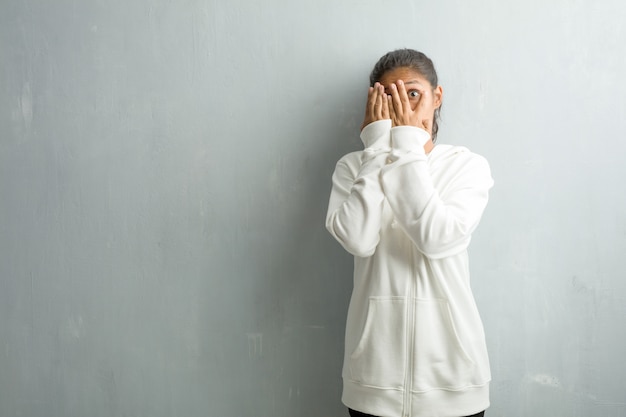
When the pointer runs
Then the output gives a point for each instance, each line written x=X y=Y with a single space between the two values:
x=164 y=173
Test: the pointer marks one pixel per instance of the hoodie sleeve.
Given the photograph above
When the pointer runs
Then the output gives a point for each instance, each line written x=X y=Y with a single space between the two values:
x=439 y=222
x=356 y=200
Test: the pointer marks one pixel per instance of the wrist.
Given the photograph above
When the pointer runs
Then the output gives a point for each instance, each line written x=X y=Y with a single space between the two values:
x=409 y=138
x=376 y=135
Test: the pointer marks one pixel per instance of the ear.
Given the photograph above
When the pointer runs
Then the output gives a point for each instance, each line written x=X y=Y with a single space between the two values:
x=438 y=95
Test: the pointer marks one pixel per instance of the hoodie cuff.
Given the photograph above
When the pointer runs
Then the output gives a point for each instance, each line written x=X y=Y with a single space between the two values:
x=409 y=138
x=376 y=135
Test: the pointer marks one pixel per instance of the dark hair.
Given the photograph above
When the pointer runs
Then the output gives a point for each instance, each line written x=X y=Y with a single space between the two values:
x=415 y=60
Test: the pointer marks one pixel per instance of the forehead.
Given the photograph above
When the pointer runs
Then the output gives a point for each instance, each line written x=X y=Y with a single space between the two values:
x=403 y=73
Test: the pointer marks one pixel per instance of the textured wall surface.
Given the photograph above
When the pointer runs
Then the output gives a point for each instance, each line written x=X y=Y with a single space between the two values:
x=164 y=174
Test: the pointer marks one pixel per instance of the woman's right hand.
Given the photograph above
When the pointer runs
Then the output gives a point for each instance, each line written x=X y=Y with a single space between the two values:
x=377 y=107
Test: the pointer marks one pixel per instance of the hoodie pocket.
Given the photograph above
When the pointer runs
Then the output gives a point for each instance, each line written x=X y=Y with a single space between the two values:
x=440 y=360
x=379 y=358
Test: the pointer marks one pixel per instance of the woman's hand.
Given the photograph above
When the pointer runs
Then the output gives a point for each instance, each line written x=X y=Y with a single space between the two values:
x=414 y=111
x=377 y=107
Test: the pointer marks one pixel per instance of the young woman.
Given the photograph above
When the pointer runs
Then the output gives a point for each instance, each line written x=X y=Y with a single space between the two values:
x=406 y=209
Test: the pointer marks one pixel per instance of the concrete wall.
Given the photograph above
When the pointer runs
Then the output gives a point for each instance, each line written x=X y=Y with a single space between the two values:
x=164 y=174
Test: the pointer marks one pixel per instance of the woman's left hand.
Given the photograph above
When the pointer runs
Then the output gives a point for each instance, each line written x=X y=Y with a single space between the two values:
x=405 y=113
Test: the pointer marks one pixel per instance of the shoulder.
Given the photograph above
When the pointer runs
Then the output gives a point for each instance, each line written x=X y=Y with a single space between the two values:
x=456 y=155
x=351 y=161
x=459 y=164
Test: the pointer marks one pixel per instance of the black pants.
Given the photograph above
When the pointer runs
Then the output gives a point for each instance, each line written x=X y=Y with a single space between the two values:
x=354 y=413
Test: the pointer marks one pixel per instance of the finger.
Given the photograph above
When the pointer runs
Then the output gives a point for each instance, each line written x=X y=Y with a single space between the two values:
x=422 y=109
x=404 y=97
x=384 y=113
x=385 y=107
x=368 y=111
x=395 y=100
x=371 y=100
x=421 y=102
x=378 y=108
x=392 y=112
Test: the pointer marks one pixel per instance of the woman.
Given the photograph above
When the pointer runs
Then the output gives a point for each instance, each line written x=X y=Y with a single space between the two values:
x=406 y=210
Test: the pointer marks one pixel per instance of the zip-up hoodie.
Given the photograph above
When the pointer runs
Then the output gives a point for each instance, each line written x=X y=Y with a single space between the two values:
x=415 y=345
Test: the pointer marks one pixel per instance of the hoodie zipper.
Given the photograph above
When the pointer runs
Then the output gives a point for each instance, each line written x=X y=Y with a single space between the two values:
x=410 y=344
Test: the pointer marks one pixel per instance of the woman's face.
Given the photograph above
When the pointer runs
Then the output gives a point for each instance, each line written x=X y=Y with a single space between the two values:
x=416 y=87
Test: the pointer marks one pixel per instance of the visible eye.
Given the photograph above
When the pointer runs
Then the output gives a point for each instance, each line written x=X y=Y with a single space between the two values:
x=414 y=94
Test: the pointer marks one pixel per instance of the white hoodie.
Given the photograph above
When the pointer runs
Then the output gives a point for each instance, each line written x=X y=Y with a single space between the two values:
x=415 y=345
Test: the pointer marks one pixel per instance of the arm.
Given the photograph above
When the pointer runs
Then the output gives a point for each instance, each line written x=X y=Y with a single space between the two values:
x=439 y=222
x=356 y=200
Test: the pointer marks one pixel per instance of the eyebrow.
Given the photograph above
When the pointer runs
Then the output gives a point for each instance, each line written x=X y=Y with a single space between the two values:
x=407 y=82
